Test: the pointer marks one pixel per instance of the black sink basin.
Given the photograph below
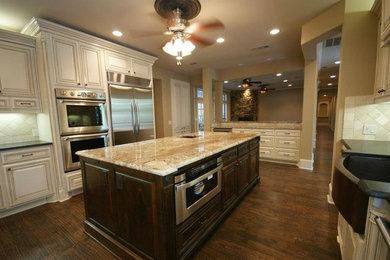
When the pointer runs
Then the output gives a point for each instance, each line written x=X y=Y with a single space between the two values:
x=349 y=199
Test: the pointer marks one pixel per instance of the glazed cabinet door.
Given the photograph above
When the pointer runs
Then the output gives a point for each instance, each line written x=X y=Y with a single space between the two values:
x=66 y=67
x=141 y=69
x=229 y=187
x=29 y=181
x=98 y=199
x=91 y=64
x=17 y=70
x=136 y=212
x=242 y=172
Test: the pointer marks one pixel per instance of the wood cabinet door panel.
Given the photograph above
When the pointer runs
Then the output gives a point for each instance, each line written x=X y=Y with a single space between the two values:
x=229 y=188
x=135 y=206
x=92 y=66
x=254 y=165
x=242 y=173
x=98 y=201
x=29 y=181
x=16 y=70
x=66 y=62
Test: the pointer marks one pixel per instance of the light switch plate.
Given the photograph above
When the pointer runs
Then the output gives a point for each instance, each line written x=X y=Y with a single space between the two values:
x=370 y=129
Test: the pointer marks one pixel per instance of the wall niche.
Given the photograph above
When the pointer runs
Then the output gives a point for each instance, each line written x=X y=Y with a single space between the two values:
x=243 y=105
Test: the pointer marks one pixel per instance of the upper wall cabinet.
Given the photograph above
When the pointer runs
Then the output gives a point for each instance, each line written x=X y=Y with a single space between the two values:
x=18 y=73
x=77 y=64
x=128 y=65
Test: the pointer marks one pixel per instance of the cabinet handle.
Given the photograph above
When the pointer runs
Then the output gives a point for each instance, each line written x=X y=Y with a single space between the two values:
x=25 y=103
x=381 y=90
x=27 y=154
x=286 y=142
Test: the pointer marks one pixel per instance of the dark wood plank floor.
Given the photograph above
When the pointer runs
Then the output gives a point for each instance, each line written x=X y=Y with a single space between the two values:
x=286 y=217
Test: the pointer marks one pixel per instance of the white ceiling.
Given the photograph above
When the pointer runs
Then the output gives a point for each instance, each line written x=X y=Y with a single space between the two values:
x=247 y=25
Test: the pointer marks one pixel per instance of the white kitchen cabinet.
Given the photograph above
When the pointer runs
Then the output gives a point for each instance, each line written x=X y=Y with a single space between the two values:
x=26 y=176
x=181 y=110
x=18 y=73
x=77 y=64
x=385 y=21
x=128 y=65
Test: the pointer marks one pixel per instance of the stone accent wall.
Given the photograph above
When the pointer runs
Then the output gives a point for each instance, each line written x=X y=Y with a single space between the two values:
x=243 y=105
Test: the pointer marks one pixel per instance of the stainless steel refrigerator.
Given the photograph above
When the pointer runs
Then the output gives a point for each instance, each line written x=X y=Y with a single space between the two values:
x=131 y=104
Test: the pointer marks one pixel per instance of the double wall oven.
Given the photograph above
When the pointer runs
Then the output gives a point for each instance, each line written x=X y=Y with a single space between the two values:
x=82 y=122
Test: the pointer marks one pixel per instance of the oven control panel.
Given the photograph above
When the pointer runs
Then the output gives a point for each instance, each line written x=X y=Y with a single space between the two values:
x=79 y=94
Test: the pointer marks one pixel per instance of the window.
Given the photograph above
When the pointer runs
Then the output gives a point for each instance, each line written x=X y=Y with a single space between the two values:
x=200 y=109
x=224 y=107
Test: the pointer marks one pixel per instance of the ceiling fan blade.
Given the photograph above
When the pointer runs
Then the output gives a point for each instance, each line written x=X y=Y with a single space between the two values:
x=205 y=26
x=142 y=34
x=200 y=40
x=257 y=82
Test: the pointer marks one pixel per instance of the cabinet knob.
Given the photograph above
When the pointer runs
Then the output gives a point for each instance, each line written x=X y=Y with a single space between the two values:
x=9 y=169
x=85 y=84
x=0 y=91
x=79 y=84
x=135 y=72
x=381 y=90
x=128 y=71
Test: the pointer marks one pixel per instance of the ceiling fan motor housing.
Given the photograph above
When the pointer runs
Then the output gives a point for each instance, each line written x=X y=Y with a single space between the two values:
x=189 y=8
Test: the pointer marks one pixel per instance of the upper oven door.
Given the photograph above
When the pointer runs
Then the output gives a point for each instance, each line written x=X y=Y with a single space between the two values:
x=80 y=116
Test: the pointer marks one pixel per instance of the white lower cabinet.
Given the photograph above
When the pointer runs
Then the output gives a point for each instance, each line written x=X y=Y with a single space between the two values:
x=26 y=176
x=74 y=181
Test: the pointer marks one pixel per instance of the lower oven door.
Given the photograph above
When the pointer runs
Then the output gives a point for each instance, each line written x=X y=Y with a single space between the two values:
x=190 y=196
x=74 y=143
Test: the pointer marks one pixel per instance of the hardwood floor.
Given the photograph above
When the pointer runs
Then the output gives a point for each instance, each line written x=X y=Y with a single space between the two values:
x=286 y=217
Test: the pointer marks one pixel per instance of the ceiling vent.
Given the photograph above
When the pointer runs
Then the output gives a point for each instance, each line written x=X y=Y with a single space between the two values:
x=333 y=42
x=260 y=48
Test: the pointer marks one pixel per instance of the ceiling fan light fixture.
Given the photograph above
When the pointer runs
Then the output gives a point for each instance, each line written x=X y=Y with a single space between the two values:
x=220 y=40
x=179 y=47
x=274 y=31
x=245 y=85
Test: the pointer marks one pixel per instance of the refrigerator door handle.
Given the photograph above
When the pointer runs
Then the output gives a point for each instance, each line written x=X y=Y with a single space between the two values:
x=133 y=115
x=138 y=116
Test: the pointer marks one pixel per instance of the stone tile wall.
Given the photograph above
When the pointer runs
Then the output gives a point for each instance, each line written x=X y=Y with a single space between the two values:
x=15 y=127
x=359 y=111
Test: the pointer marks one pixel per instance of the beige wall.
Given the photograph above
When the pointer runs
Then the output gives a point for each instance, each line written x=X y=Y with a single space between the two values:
x=162 y=97
x=283 y=105
x=357 y=68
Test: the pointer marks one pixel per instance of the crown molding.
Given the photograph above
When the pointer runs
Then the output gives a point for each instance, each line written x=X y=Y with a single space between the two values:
x=37 y=25
x=14 y=37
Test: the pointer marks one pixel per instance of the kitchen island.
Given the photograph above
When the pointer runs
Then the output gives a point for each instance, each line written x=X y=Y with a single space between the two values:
x=144 y=200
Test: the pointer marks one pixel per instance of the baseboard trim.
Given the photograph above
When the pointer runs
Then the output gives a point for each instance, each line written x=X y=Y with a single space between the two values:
x=305 y=164
x=329 y=196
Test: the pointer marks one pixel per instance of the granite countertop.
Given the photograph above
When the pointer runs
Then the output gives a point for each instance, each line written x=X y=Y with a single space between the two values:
x=366 y=147
x=262 y=125
x=164 y=156
x=22 y=145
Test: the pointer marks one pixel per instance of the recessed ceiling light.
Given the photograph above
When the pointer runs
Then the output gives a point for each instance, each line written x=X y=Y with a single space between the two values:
x=330 y=84
x=220 y=40
x=240 y=64
x=226 y=81
x=337 y=62
x=239 y=86
x=290 y=85
x=332 y=76
x=117 y=33
x=278 y=74
x=285 y=80
x=324 y=95
x=274 y=31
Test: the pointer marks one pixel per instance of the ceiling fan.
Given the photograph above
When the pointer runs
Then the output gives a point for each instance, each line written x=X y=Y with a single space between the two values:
x=247 y=82
x=177 y=13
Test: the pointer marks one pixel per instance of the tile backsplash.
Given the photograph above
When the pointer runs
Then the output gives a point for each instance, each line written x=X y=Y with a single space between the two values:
x=16 y=128
x=360 y=111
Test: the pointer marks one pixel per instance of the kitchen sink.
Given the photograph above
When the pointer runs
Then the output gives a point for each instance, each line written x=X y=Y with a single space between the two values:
x=349 y=199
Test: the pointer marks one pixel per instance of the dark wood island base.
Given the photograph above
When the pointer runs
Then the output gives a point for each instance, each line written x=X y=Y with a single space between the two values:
x=132 y=212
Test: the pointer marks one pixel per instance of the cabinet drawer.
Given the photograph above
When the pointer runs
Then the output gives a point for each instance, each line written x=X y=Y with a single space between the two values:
x=287 y=132
x=265 y=132
x=266 y=141
x=287 y=142
x=243 y=148
x=74 y=181
x=23 y=103
x=197 y=224
x=242 y=130
x=266 y=152
x=4 y=103
x=287 y=154
x=25 y=155
x=229 y=156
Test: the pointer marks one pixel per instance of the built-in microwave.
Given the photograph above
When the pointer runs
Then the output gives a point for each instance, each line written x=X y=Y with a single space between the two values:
x=81 y=111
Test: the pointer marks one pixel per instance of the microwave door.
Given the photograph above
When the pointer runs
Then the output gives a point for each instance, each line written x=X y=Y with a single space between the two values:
x=143 y=101
x=122 y=114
